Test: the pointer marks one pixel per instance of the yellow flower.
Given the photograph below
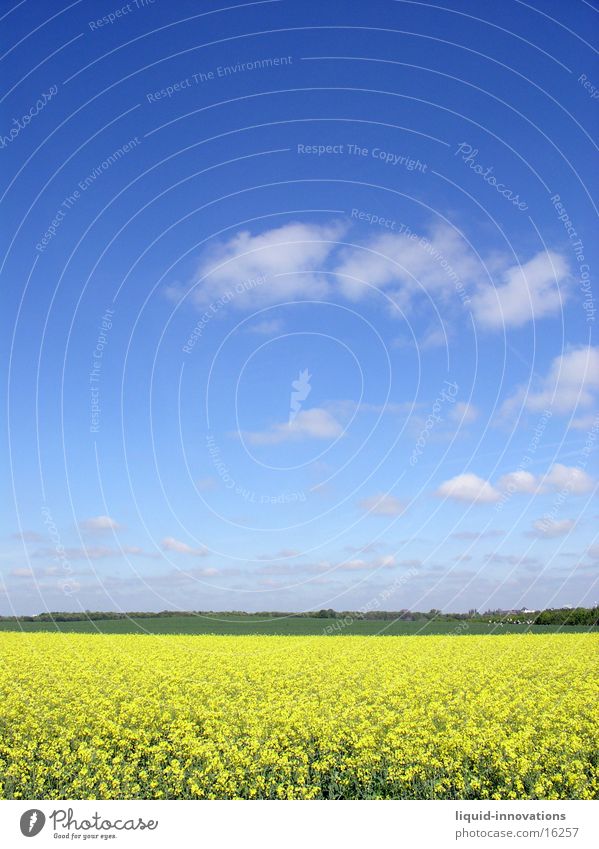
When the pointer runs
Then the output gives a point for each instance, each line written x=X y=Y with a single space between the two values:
x=210 y=717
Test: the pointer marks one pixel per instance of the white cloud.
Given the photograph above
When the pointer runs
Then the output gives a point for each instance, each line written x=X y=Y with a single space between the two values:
x=559 y=477
x=404 y=266
x=550 y=528
x=357 y=564
x=99 y=525
x=568 y=478
x=172 y=544
x=386 y=562
x=463 y=412
x=525 y=292
x=519 y=481
x=94 y=552
x=572 y=382
x=442 y=264
x=98 y=552
x=587 y=422
x=470 y=488
x=28 y=536
x=44 y=572
x=346 y=408
x=434 y=337
x=367 y=548
x=282 y=554
x=353 y=565
x=173 y=579
x=382 y=505
x=267 y=327
x=291 y=262
x=512 y=559
x=315 y=423
x=290 y=258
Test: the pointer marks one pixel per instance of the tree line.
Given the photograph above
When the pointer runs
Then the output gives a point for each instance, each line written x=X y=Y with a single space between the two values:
x=586 y=616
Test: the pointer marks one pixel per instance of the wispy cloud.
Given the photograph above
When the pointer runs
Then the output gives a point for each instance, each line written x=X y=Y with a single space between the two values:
x=463 y=413
x=39 y=573
x=96 y=552
x=99 y=525
x=550 y=528
x=513 y=559
x=207 y=484
x=572 y=382
x=176 y=545
x=367 y=548
x=267 y=327
x=314 y=423
x=93 y=552
x=282 y=554
x=382 y=504
x=359 y=565
x=28 y=536
x=472 y=535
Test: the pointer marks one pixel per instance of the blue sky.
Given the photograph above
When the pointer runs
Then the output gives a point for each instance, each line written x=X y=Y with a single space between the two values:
x=299 y=306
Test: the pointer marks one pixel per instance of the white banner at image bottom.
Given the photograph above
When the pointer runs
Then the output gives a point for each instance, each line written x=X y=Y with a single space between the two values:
x=290 y=824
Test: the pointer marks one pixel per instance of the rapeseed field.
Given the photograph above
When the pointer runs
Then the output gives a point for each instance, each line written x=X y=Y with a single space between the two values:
x=215 y=717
